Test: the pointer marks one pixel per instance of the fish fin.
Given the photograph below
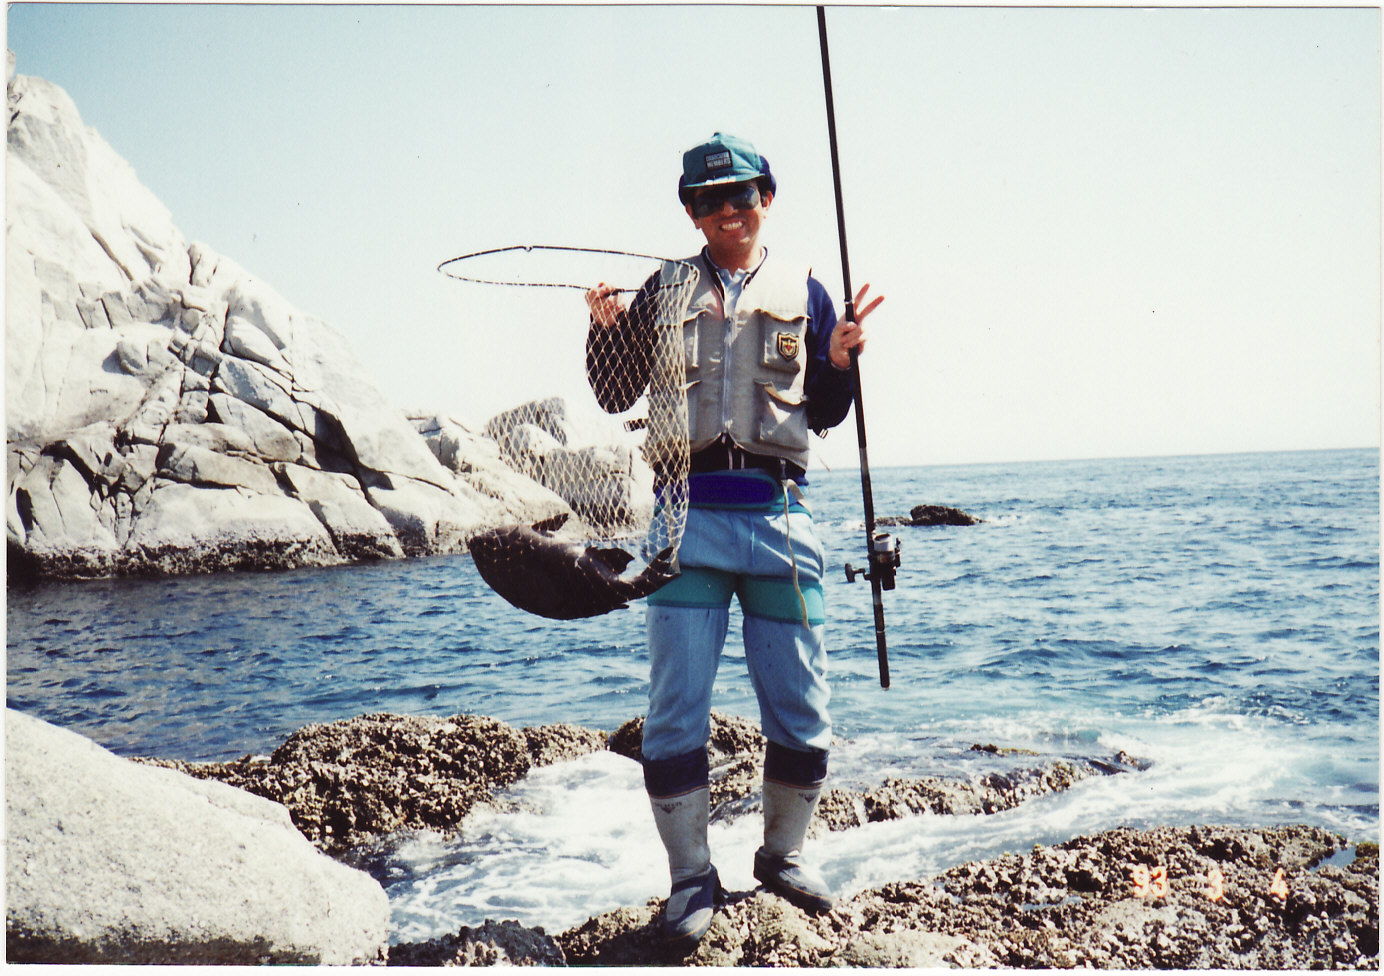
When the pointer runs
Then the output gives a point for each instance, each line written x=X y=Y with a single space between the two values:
x=551 y=524
x=616 y=559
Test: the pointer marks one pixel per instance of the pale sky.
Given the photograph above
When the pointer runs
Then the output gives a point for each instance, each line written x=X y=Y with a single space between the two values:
x=1101 y=232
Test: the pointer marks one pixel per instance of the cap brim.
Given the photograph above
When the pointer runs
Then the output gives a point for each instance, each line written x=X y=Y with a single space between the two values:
x=723 y=179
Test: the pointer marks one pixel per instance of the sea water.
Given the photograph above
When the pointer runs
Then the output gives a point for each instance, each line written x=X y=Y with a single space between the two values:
x=1216 y=617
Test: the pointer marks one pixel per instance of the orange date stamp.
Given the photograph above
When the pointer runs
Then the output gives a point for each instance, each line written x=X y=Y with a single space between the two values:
x=1152 y=881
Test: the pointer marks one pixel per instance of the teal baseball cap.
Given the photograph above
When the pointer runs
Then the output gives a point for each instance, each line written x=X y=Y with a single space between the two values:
x=722 y=159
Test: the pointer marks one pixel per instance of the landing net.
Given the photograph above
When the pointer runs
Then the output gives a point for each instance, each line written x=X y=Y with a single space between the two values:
x=612 y=445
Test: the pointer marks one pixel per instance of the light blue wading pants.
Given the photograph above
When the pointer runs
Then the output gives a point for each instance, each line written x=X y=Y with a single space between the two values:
x=749 y=550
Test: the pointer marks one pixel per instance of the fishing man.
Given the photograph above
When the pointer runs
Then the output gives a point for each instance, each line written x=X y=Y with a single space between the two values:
x=767 y=360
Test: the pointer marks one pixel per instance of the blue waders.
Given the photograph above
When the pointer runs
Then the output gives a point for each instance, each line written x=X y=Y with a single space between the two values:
x=747 y=537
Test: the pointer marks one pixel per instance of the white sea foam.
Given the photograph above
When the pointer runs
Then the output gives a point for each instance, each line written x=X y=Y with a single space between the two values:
x=585 y=841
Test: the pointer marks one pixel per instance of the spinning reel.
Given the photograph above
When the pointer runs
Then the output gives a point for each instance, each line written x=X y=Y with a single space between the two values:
x=884 y=560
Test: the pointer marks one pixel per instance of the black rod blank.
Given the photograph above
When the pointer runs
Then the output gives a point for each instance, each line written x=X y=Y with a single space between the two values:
x=879 y=563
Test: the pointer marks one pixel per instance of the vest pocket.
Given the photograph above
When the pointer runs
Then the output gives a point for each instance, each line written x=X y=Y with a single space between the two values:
x=783 y=346
x=782 y=418
x=690 y=346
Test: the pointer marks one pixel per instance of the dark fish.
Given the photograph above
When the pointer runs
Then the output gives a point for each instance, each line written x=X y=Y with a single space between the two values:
x=562 y=580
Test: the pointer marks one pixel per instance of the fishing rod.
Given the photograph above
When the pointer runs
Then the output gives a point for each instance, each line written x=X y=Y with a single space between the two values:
x=881 y=550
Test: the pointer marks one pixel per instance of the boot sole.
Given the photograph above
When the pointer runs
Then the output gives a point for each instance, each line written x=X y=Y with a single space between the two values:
x=685 y=943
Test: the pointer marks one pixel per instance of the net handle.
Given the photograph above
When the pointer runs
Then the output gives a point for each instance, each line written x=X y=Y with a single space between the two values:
x=527 y=248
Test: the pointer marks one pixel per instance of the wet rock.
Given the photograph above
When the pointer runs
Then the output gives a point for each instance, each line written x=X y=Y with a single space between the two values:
x=735 y=752
x=490 y=944
x=752 y=929
x=550 y=744
x=736 y=755
x=931 y=515
x=1187 y=897
x=350 y=781
x=625 y=936
x=991 y=793
x=1091 y=902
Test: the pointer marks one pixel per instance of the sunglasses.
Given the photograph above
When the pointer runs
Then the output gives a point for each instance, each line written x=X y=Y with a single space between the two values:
x=741 y=196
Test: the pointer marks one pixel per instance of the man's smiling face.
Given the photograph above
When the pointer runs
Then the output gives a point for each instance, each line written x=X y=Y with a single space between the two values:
x=732 y=233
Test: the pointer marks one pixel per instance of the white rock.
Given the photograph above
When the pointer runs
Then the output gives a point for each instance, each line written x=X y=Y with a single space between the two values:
x=269 y=439
x=221 y=438
x=40 y=223
x=425 y=518
x=53 y=501
x=477 y=462
x=379 y=434
x=187 y=529
x=257 y=304
x=251 y=383
x=113 y=317
x=56 y=378
x=550 y=415
x=247 y=341
x=93 y=447
x=603 y=483
x=358 y=530
x=199 y=466
x=119 y=213
x=115 y=862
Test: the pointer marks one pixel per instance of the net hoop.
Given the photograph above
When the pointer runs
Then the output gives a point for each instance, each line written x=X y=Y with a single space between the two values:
x=623 y=479
x=447 y=267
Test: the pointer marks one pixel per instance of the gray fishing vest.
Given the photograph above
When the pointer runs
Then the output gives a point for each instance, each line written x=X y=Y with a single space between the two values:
x=745 y=377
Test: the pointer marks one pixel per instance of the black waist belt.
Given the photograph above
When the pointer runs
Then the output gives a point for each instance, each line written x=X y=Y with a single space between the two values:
x=724 y=455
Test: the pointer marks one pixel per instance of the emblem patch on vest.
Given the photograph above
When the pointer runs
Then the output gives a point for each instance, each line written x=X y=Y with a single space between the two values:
x=787 y=345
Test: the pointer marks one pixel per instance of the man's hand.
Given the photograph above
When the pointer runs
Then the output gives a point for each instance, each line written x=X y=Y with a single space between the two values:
x=605 y=304
x=851 y=335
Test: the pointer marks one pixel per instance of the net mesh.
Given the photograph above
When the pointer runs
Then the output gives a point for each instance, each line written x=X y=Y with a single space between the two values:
x=613 y=448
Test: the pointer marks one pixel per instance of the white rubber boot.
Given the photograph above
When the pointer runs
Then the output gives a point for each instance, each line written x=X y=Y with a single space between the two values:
x=779 y=864
x=682 y=823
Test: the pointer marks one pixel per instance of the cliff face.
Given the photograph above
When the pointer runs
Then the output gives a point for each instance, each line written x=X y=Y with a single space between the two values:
x=167 y=411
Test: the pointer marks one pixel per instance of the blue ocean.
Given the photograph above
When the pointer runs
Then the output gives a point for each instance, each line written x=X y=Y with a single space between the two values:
x=1216 y=616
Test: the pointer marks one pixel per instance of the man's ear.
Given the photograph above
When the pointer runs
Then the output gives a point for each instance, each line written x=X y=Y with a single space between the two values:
x=688 y=208
x=766 y=199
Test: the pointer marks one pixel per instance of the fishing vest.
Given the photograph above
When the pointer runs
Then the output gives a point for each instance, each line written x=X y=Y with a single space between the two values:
x=745 y=377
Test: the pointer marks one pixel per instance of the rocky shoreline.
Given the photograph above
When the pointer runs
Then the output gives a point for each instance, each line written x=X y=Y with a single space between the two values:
x=1293 y=897
x=1077 y=904
x=1172 y=897
x=348 y=782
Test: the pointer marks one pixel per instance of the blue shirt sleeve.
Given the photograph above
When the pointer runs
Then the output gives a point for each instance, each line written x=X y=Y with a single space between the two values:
x=829 y=390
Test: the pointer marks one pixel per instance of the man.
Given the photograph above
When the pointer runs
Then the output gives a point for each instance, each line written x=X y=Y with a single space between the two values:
x=766 y=360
